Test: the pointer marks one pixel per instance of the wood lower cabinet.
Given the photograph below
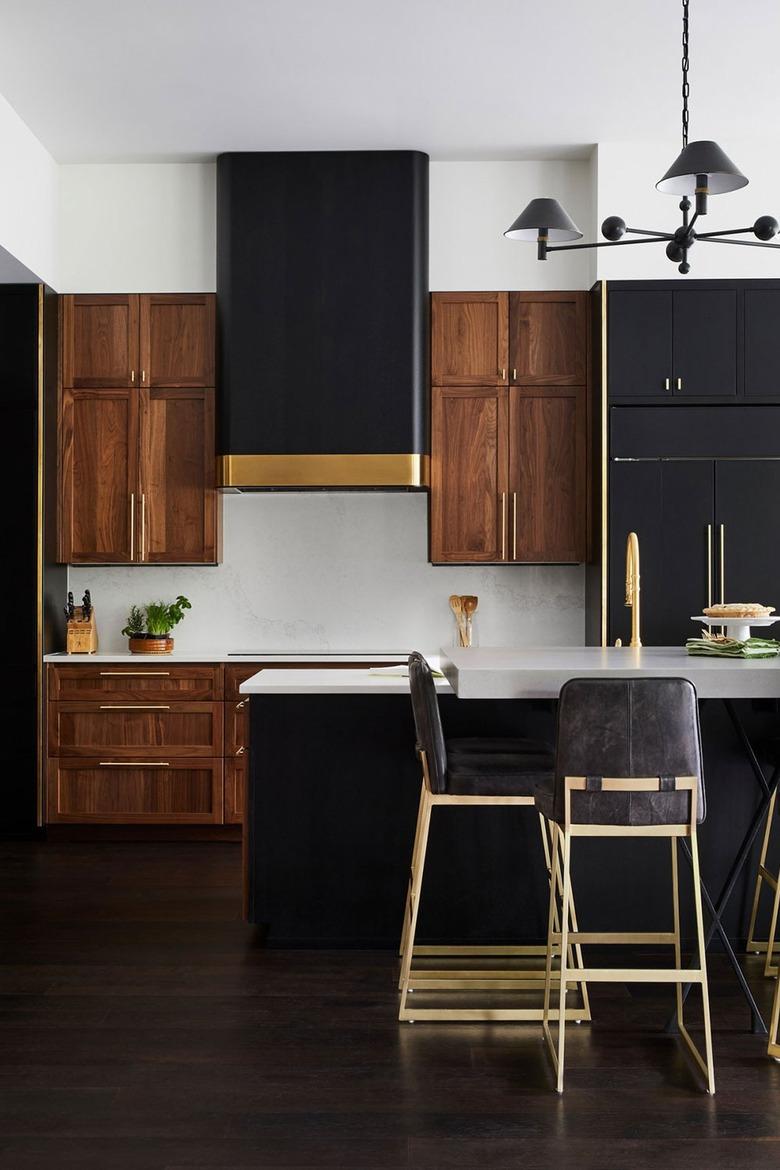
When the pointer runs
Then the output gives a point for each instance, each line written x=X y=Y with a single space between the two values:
x=122 y=730
x=152 y=684
x=469 y=338
x=178 y=791
x=100 y=340
x=235 y=791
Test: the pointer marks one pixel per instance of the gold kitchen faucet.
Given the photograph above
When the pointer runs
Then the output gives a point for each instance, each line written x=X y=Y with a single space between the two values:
x=632 y=585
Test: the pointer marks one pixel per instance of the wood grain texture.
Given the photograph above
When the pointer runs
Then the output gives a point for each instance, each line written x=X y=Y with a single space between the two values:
x=189 y=791
x=177 y=477
x=98 y=473
x=120 y=730
x=548 y=473
x=469 y=339
x=140 y=682
x=548 y=338
x=469 y=456
x=100 y=340
x=177 y=346
x=235 y=791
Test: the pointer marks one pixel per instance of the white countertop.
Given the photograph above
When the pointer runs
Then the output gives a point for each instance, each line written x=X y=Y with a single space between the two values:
x=330 y=682
x=524 y=673
x=277 y=656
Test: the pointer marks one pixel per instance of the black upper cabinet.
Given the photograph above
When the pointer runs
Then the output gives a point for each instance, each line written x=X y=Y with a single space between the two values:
x=762 y=354
x=672 y=344
x=639 y=358
x=748 y=525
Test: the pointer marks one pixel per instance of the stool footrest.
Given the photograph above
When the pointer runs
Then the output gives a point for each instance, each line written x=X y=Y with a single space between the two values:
x=615 y=937
x=636 y=975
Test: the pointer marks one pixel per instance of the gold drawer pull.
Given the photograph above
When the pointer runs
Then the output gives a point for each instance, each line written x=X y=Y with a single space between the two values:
x=135 y=707
x=240 y=751
x=241 y=705
x=134 y=764
x=135 y=674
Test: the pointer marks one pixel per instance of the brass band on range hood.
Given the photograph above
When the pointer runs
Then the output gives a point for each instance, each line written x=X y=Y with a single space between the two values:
x=334 y=471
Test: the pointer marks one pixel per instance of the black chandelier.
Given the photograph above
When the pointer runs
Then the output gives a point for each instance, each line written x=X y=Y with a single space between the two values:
x=701 y=169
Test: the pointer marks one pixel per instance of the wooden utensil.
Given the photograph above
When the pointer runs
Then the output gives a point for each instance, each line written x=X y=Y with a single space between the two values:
x=456 y=605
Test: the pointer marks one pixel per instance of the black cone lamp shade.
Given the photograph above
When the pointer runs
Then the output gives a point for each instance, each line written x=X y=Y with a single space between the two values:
x=699 y=159
x=543 y=217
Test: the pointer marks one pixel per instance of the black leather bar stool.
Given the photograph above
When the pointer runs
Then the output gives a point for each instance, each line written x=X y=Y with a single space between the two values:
x=479 y=772
x=628 y=764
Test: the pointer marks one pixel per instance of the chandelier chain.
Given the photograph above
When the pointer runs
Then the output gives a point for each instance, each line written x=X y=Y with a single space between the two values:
x=686 y=89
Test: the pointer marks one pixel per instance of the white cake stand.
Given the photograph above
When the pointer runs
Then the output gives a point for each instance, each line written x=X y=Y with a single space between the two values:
x=737 y=628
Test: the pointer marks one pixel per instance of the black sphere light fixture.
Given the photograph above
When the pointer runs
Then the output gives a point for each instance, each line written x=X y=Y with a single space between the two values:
x=701 y=169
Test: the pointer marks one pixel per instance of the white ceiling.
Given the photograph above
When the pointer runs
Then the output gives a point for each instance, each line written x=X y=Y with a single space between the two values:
x=460 y=79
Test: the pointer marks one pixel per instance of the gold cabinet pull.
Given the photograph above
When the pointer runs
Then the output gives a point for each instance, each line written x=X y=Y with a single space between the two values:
x=135 y=707
x=514 y=526
x=241 y=705
x=668 y=384
x=132 y=526
x=722 y=564
x=134 y=764
x=135 y=674
x=503 y=526
x=143 y=377
x=514 y=375
x=143 y=527
x=132 y=376
x=679 y=383
x=709 y=565
x=240 y=751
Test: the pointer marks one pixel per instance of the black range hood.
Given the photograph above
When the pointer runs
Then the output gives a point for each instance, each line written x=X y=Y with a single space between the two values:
x=322 y=293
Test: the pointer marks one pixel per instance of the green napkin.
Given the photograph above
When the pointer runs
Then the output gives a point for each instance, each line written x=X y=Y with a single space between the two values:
x=731 y=648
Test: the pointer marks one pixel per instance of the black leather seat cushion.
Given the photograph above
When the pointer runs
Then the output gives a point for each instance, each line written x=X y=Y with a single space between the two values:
x=622 y=728
x=499 y=774
x=484 y=745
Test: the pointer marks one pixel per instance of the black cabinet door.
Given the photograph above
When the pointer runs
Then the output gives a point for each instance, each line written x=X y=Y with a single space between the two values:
x=746 y=506
x=639 y=355
x=705 y=342
x=670 y=507
x=762 y=353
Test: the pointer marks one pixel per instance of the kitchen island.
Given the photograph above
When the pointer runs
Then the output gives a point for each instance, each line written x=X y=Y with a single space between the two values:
x=335 y=783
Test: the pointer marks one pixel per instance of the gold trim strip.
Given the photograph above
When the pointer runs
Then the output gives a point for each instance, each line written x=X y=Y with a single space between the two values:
x=39 y=550
x=604 y=471
x=257 y=471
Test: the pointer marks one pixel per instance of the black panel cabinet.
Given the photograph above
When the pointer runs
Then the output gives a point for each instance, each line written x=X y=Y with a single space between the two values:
x=747 y=513
x=673 y=344
x=670 y=507
x=762 y=353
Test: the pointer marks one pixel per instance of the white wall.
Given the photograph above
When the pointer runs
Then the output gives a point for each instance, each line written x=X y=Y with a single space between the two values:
x=28 y=197
x=472 y=204
x=140 y=227
x=337 y=571
x=626 y=178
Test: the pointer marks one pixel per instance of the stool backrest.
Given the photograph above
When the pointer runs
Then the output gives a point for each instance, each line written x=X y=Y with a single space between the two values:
x=427 y=720
x=629 y=727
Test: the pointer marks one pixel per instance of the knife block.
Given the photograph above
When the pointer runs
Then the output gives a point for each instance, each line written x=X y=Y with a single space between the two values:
x=82 y=635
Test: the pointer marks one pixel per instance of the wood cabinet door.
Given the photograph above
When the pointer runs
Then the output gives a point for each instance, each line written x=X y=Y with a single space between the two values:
x=639 y=343
x=142 y=682
x=548 y=338
x=178 y=499
x=669 y=504
x=100 y=340
x=548 y=480
x=705 y=342
x=177 y=339
x=98 y=476
x=469 y=474
x=746 y=491
x=126 y=730
x=182 y=791
x=469 y=338
x=235 y=791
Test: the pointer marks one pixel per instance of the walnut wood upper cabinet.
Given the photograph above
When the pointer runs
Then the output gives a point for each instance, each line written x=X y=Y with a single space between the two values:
x=177 y=492
x=138 y=339
x=548 y=338
x=548 y=474
x=469 y=338
x=177 y=339
x=469 y=464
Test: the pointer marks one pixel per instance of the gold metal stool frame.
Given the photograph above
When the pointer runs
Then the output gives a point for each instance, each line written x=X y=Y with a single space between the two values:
x=563 y=937
x=414 y=979
x=759 y=946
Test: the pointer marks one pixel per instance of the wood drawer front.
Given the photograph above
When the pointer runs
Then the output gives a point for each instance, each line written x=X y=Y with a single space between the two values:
x=144 y=683
x=237 y=728
x=185 y=792
x=119 y=730
x=235 y=791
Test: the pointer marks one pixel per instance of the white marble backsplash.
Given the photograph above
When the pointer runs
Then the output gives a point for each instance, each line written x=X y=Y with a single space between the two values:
x=337 y=571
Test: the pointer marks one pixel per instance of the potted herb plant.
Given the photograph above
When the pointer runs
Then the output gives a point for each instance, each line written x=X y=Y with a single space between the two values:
x=149 y=627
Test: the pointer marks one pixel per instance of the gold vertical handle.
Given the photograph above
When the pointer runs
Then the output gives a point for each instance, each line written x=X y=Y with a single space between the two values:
x=132 y=377
x=679 y=383
x=514 y=526
x=722 y=564
x=668 y=384
x=502 y=374
x=709 y=565
x=143 y=527
x=514 y=375
x=503 y=526
x=143 y=377
x=132 y=526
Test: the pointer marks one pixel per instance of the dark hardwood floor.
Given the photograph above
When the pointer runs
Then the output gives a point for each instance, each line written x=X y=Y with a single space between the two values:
x=144 y=1028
